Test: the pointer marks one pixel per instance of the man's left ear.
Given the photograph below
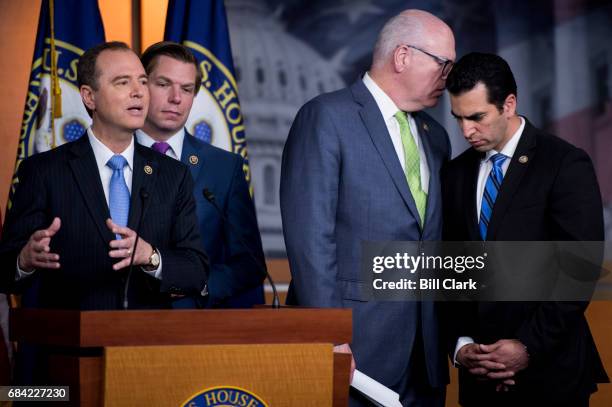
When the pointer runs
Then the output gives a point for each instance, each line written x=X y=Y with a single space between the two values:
x=510 y=105
x=87 y=95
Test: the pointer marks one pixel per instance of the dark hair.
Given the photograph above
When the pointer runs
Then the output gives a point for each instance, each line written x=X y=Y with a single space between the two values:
x=173 y=50
x=491 y=70
x=86 y=68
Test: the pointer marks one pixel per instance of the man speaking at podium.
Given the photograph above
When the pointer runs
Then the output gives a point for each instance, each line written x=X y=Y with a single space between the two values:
x=70 y=235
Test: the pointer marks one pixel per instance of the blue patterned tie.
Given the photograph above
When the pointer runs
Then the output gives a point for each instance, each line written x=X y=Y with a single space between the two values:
x=496 y=176
x=118 y=192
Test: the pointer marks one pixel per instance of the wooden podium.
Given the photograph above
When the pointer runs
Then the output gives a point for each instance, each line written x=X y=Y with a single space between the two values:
x=88 y=349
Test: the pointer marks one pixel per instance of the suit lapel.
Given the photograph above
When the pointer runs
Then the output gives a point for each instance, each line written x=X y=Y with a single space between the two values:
x=192 y=156
x=469 y=189
x=525 y=151
x=144 y=175
x=87 y=177
x=377 y=130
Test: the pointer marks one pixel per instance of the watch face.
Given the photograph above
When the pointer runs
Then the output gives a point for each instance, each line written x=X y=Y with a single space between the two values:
x=155 y=259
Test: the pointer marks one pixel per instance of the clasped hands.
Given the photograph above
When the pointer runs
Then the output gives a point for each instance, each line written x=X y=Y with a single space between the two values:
x=36 y=254
x=498 y=361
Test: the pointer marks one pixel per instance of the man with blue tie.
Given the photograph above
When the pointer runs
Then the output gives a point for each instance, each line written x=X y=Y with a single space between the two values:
x=517 y=183
x=70 y=234
x=362 y=164
x=235 y=277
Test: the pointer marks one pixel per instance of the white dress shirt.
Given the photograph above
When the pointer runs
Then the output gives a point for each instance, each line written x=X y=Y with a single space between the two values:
x=388 y=109
x=175 y=142
x=486 y=165
x=103 y=154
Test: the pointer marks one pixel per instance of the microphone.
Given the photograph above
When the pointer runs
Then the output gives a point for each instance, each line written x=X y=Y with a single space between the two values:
x=210 y=197
x=144 y=195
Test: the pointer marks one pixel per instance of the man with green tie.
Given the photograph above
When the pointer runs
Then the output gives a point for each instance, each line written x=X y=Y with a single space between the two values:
x=362 y=164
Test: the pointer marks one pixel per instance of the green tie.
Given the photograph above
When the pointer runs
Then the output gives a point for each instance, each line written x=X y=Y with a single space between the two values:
x=412 y=166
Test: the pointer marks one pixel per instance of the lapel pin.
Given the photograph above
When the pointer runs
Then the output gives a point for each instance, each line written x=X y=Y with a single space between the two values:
x=148 y=170
x=193 y=159
x=523 y=159
x=425 y=127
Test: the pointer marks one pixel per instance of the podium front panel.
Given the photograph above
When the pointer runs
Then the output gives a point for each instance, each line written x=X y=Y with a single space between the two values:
x=200 y=375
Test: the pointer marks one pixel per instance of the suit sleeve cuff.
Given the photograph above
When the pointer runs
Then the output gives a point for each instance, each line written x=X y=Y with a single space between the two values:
x=21 y=274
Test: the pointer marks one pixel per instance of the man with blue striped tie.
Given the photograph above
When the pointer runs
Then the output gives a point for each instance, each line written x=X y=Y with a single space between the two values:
x=517 y=183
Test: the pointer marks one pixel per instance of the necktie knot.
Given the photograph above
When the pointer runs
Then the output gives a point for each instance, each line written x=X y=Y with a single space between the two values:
x=117 y=162
x=401 y=117
x=498 y=160
x=161 y=147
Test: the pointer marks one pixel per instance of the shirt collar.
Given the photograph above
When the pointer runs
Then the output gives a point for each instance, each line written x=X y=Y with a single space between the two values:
x=175 y=141
x=103 y=153
x=386 y=106
x=510 y=146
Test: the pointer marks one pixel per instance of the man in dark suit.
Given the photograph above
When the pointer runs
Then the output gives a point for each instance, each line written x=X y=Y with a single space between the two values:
x=362 y=164
x=70 y=234
x=235 y=279
x=517 y=183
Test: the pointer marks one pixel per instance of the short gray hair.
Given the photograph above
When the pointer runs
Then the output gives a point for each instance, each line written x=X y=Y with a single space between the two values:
x=404 y=28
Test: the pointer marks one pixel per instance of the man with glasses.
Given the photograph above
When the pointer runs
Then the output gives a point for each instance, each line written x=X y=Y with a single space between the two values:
x=445 y=63
x=362 y=164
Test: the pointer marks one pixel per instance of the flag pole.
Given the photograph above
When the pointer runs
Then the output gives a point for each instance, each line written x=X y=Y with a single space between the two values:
x=56 y=91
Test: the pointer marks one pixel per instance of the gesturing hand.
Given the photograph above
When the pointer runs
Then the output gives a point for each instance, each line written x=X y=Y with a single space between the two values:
x=36 y=253
x=122 y=248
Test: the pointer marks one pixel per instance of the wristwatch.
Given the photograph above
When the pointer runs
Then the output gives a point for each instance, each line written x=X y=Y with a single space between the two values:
x=153 y=260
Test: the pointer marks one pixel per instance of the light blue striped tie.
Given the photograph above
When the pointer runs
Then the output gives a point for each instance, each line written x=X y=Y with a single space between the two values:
x=494 y=181
x=118 y=192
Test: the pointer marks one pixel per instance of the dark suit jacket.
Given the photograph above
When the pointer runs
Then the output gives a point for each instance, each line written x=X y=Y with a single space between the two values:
x=235 y=280
x=65 y=182
x=554 y=196
x=342 y=185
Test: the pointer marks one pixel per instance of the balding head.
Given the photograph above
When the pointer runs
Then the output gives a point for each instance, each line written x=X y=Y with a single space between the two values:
x=415 y=27
x=412 y=56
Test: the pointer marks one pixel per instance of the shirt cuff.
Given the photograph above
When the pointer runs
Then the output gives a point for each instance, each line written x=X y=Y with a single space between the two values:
x=21 y=274
x=461 y=342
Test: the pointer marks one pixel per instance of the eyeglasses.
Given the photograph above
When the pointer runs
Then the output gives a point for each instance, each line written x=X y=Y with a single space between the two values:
x=445 y=63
